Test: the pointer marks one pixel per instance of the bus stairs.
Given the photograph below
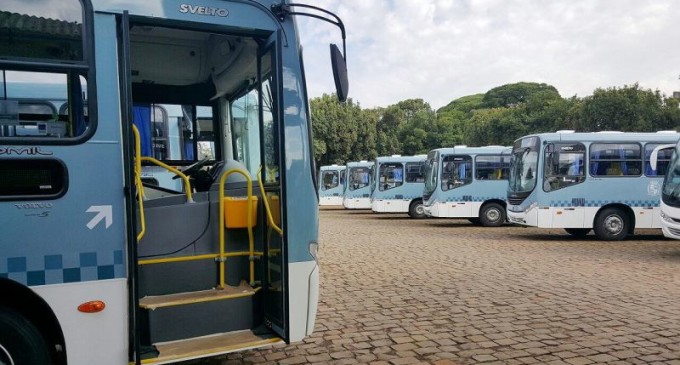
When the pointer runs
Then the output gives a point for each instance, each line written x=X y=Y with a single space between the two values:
x=200 y=317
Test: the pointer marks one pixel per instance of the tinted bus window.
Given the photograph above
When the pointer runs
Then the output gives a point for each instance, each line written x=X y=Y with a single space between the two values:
x=615 y=159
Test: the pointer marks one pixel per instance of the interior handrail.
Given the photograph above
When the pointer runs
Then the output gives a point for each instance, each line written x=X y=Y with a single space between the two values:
x=185 y=178
x=249 y=220
x=267 y=208
x=138 y=182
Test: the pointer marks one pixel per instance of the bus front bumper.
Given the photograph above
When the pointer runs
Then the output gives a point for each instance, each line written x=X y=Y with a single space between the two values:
x=528 y=217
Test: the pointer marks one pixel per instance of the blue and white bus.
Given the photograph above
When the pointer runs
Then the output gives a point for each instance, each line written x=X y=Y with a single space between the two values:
x=103 y=260
x=397 y=185
x=331 y=184
x=467 y=182
x=581 y=181
x=669 y=159
x=357 y=193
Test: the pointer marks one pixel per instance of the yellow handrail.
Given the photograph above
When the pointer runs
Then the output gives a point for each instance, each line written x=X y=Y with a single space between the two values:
x=249 y=218
x=187 y=184
x=138 y=181
x=195 y=258
x=270 y=218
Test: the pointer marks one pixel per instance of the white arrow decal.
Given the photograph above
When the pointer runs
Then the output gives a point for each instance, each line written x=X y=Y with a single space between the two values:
x=103 y=212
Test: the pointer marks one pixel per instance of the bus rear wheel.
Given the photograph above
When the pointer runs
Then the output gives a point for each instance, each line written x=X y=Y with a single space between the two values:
x=20 y=341
x=492 y=215
x=416 y=209
x=578 y=232
x=611 y=224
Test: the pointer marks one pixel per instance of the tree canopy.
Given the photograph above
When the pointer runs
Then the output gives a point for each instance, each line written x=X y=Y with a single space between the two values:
x=345 y=132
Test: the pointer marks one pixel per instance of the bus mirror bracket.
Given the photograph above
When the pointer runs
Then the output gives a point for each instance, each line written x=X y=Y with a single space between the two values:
x=338 y=59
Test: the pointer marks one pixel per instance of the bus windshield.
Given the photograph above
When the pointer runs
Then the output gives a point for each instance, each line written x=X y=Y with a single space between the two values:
x=523 y=167
x=671 y=186
x=431 y=172
x=359 y=177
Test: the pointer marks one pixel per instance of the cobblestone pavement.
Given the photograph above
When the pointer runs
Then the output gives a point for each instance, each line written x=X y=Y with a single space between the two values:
x=401 y=291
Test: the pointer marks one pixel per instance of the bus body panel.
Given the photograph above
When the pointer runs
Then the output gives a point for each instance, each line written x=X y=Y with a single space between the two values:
x=577 y=205
x=399 y=198
x=105 y=333
x=357 y=189
x=465 y=201
x=331 y=184
x=239 y=15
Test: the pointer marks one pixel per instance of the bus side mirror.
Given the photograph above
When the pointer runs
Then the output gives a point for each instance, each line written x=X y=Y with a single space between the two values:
x=339 y=73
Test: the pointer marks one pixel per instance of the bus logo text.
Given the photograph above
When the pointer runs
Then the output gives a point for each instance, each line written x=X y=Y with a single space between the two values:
x=28 y=151
x=202 y=10
x=34 y=206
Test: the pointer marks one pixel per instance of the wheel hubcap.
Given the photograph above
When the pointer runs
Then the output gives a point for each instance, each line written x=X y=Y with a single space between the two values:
x=493 y=215
x=5 y=358
x=613 y=224
x=419 y=209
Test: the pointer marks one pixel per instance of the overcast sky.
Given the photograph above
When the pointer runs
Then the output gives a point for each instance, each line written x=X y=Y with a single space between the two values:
x=440 y=50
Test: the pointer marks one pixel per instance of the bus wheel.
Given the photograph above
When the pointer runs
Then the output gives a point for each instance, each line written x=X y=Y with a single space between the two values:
x=578 y=232
x=611 y=224
x=492 y=215
x=20 y=341
x=416 y=209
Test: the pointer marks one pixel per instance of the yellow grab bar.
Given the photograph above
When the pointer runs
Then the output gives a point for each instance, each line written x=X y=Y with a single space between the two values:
x=270 y=218
x=249 y=209
x=138 y=181
x=187 y=184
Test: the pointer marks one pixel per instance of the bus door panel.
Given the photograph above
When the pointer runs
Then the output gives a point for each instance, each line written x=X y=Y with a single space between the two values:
x=275 y=282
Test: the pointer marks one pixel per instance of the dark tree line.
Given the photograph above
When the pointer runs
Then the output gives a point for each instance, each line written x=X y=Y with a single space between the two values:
x=345 y=132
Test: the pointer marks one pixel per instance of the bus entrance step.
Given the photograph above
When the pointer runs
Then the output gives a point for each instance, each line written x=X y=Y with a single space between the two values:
x=169 y=300
x=211 y=345
x=187 y=315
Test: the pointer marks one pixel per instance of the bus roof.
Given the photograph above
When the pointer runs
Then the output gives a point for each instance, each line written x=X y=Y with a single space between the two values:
x=418 y=158
x=473 y=150
x=332 y=167
x=360 y=163
x=662 y=136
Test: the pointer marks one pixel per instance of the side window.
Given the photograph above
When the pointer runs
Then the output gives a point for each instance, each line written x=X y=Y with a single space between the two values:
x=42 y=104
x=49 y=101
x=456 y=172
x=615 y=159
x=246 y=130
x=269 y=128
x=329 y=179
x=415 y=172
x=492 y=167
x=564 y=166
x=663 y=160
x=359 y=177
x=391 y=175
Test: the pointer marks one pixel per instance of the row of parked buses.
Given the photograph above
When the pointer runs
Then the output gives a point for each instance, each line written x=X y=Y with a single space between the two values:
x=607 y=182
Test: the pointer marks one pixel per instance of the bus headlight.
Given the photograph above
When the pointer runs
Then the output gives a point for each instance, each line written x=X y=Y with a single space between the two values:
x=314 y=250
x=666 y=217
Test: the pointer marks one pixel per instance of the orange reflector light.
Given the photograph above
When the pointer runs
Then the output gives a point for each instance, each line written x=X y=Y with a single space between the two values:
x=93 y=306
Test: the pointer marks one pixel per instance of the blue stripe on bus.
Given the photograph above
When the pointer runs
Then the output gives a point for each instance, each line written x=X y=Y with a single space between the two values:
x=57 y=269
x=599 y=203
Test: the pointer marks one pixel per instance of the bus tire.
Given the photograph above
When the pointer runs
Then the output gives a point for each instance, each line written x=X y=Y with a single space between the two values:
x=492 y=215
x=416 y=210
x=20 y=341
x=578 y=232
x=611 y=224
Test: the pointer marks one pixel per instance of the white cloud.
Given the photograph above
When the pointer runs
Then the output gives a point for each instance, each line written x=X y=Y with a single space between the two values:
x=440 y=50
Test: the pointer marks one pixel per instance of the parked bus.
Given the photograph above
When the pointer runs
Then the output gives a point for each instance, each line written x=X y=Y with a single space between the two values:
x=331 y=184
x=581 y=181
x=357 y=193
x=397 y=186
x=668 y=159
x=467 y=182
x=105 y=261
